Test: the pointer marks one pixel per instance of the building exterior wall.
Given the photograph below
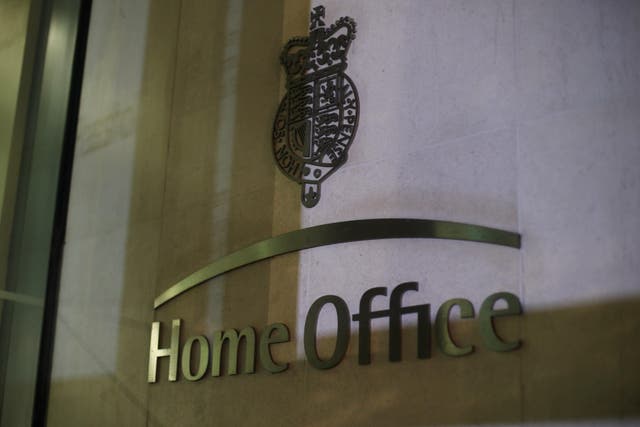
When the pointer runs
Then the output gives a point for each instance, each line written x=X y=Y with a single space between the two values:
x=519 y=115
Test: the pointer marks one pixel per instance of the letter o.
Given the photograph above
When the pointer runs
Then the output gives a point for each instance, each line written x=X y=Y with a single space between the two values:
x=203 y=364
x=311 y=329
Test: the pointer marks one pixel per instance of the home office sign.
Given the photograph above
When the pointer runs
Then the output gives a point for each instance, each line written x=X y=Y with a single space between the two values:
x=210 y=352
x=276 y=333
x=314 y=127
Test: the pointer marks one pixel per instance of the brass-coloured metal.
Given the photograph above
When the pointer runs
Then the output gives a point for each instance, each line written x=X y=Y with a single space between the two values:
x=172 y=351
x=396 y=311
x=443 y=336
x=203 y=362
x=233 y=338
x=342 y=334
x=364 y=323
x=341 y=232
x=273 y=334
x=486 y=315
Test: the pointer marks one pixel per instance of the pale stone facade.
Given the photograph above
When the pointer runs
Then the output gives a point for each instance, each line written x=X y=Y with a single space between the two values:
x=520 y=115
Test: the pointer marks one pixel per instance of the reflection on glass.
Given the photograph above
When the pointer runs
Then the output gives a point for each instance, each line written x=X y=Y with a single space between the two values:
x=43 y=56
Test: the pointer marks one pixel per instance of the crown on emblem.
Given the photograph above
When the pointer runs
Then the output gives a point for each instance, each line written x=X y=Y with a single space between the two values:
x=325 y=49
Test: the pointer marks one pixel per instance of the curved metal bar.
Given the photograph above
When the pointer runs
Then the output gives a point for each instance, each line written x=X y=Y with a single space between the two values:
x=341 y=232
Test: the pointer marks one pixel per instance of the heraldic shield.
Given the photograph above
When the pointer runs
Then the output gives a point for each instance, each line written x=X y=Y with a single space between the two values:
x=318 y=117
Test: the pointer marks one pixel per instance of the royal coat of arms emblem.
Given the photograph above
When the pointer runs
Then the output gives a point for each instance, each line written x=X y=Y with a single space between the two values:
x=318 y=117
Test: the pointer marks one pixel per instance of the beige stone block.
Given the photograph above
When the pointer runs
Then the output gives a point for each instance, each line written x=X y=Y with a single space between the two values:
x=482 y=388
x=123 y=120
x=104 y=402
x=575 y=365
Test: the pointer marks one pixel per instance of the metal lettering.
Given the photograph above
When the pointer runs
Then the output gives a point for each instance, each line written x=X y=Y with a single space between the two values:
x=394 y=314
x=443 y=335
x=364 y=324
x=172 y=352
x=282 y=151
x=311 y=329
x=233 y=338
x=395 y=323
x=272 y=334
x=487 y=313
x=203 y=362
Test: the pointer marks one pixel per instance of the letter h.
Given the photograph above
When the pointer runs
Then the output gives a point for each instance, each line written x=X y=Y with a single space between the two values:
x=155 y=353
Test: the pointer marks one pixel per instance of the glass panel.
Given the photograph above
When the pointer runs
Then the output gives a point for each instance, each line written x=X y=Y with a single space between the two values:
x=21 y=324
x=42 y=38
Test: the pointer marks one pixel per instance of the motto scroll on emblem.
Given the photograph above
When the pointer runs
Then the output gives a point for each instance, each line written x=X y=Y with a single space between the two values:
x=318 y=116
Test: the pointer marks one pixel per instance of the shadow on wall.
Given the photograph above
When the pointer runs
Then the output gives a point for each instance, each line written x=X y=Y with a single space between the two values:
x=576 y=364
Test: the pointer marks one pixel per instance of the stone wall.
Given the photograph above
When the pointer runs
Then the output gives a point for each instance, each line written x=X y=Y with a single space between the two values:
x=519 y=115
